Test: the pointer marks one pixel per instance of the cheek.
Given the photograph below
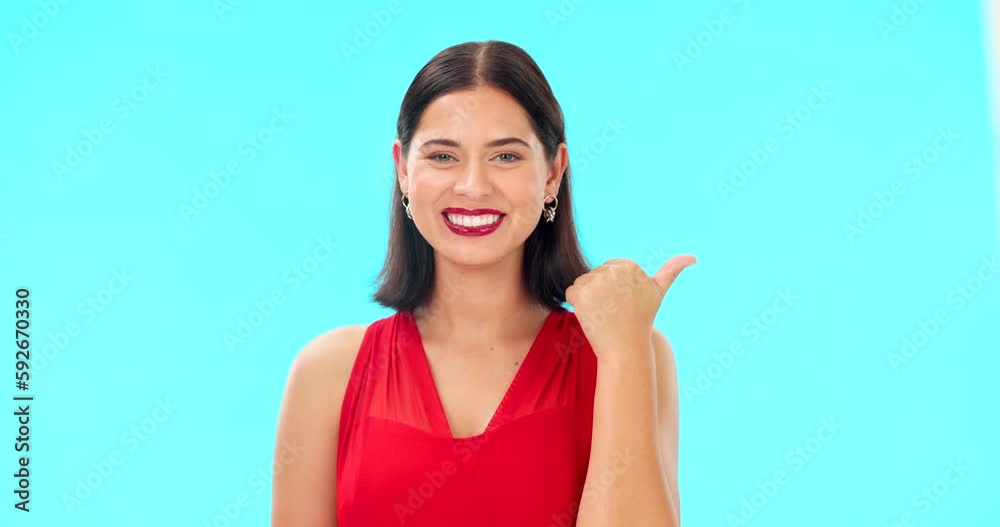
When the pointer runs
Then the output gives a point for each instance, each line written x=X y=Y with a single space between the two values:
x=525 y=198
x=427 y=183
x=534 y=187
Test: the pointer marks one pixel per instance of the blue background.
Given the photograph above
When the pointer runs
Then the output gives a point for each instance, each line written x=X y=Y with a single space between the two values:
x=690 y=113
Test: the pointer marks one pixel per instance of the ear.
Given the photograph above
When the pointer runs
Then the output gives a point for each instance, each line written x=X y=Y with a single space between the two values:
x=397 y=158
x=556 y=170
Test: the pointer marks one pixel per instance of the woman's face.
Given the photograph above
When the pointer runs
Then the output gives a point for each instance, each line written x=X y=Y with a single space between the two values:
x=477 y=176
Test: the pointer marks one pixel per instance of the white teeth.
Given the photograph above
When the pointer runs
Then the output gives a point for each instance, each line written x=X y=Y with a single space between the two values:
x=473 y=221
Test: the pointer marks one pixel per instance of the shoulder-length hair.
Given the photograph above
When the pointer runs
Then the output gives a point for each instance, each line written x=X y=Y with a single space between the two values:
x=552 y=255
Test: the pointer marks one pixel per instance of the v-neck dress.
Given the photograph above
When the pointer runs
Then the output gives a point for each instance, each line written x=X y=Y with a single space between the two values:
x=399 y=464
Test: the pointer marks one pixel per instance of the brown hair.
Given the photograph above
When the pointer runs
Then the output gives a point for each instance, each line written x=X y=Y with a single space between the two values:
x=552 y=255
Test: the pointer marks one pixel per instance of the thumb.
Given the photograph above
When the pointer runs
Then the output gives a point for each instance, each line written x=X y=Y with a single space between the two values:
x=666 y=275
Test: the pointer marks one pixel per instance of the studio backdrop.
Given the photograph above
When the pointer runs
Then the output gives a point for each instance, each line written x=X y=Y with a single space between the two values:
x=191 y=191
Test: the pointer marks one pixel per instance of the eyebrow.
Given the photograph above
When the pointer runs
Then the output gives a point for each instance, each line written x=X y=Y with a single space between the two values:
x=496 y=142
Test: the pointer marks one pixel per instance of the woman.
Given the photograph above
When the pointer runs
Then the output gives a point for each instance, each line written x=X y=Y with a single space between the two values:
x=481 y=401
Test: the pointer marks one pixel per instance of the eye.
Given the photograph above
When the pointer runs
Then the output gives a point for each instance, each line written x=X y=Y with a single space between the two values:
x=508 y=157
x=440 y=157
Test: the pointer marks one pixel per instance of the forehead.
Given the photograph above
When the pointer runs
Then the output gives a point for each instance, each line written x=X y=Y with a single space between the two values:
x=482 y=112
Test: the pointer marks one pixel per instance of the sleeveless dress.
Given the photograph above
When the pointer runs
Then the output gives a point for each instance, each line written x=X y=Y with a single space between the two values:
x=399 y=464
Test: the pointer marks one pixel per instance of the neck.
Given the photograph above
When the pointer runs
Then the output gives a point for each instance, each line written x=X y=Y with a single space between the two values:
x=479 y=303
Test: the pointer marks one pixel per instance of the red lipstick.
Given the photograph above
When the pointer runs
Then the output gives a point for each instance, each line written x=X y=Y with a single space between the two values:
x=463 y=230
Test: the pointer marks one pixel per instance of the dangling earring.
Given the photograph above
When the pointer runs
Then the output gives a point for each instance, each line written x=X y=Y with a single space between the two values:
x=406 y=207
x=550 y=212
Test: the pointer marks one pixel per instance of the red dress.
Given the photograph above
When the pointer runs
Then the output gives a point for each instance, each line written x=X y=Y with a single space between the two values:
x=399 y=464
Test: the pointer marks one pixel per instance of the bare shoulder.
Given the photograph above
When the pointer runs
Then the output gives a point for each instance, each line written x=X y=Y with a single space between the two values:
x=317 y=381
x=329 y=351
x=304 y=493
x=327 y=359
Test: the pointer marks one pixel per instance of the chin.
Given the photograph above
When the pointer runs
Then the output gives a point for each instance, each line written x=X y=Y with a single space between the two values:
x=472 y=256
x=474 y=251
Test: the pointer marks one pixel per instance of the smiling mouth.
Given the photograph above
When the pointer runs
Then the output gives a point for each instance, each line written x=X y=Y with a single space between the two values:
x=470 y=220
x=474 y=222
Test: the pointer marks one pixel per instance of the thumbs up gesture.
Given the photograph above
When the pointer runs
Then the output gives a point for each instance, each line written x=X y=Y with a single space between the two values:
x=617 y=302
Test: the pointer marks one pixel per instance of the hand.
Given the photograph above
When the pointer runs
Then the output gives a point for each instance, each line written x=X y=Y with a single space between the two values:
x=617 y=302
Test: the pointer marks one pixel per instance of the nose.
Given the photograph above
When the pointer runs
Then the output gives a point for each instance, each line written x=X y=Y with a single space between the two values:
x=473 y=182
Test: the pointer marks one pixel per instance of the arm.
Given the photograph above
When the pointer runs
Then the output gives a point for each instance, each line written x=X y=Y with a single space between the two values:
x=304 y=487
x=632 y=476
